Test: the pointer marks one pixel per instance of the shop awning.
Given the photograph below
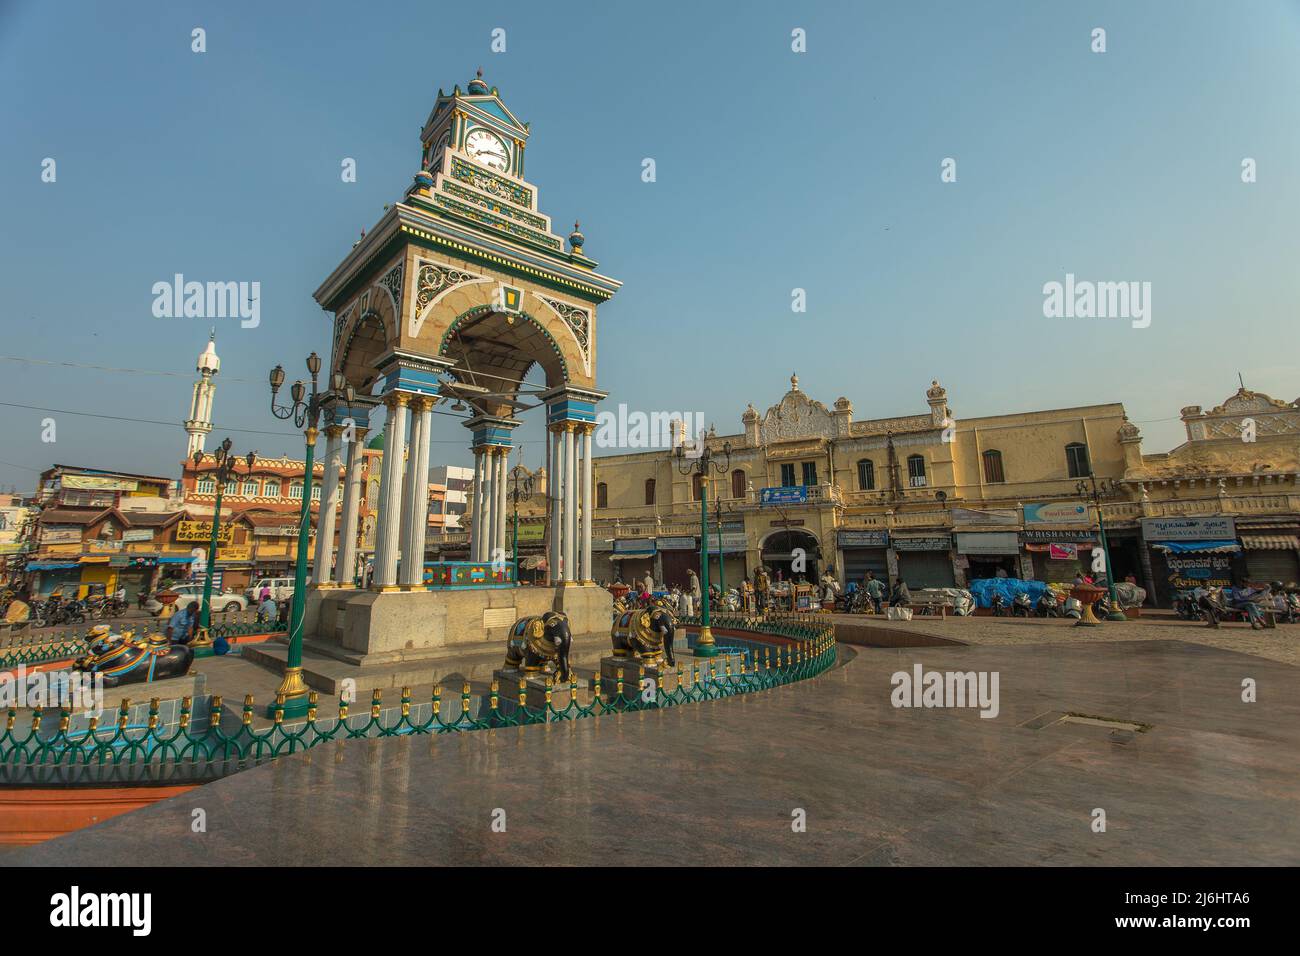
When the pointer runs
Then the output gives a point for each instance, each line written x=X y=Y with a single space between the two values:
x=1270 y=542
x=174 y=560
x=94 y=559
x=52 y=567
x=1204 y=547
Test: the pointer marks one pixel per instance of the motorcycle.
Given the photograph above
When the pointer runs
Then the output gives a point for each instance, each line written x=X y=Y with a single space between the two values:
x=1187 y=606
x=1047 y=606
x=1021 y=606
x=998 y=604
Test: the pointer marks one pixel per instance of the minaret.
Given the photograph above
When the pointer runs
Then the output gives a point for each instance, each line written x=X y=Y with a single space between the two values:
x=205 y=389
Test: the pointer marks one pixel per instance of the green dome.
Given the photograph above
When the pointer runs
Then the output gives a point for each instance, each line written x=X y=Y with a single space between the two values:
x=377 y=443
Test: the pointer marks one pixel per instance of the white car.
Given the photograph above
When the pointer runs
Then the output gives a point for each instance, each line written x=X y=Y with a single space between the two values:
x=281 y=589
x=221 y=601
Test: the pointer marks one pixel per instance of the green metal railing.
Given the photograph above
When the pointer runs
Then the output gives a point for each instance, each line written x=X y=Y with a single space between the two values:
x=189 y=751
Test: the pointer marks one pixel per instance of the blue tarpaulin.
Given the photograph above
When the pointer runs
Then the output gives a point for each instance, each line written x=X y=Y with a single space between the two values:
x=983 y=590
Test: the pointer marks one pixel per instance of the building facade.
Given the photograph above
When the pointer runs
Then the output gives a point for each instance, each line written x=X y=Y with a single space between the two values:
x=938 y=500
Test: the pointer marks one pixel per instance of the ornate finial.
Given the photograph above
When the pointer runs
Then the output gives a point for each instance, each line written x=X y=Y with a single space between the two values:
x=576 y=239
x=476 y=86
x=794 y=382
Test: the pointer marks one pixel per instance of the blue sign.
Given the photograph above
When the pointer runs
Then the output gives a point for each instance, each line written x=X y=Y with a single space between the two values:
x=786 y=495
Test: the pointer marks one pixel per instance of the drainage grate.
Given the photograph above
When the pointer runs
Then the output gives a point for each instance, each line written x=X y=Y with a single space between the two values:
x=1089 y=720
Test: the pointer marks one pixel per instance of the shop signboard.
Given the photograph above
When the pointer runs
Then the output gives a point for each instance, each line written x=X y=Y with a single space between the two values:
x=967 y=516
x=934 y=542
x=1046 y=536
x=784 y=495
x=992 y=543
x=1211 y=528
x=675 y=544
x=863 y=539
x=202 y=531
x=138 y=534
x=1056 y=512
x=1063 y=552
x=60 y=535
x=1198 y=570
x=99 y=483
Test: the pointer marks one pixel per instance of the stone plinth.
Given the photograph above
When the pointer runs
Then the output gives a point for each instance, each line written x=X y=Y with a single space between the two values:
x=535 y=687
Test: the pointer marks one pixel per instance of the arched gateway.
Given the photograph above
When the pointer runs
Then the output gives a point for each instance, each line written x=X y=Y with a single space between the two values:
x=452 y=297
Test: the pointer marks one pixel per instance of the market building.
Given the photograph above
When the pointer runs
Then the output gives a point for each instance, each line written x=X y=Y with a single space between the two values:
x=938 y=500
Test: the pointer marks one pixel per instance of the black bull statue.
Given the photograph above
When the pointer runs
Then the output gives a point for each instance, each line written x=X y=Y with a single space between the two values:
x=124 y=660
x=541 y=643
x=645 y=634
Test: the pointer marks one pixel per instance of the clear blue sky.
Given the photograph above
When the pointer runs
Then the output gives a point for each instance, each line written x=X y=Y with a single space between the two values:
x=776 y=170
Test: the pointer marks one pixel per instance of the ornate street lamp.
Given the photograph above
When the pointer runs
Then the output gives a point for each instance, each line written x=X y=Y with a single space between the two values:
x=521 y=489
x=1096 y=490
x=722 y=554
x=305 y=411
x=224 y=472
x=701 y=465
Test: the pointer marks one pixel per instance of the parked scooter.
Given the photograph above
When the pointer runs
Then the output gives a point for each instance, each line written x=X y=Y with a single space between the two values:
x=1021 y=606
x=998 y=604
x=1047 y=606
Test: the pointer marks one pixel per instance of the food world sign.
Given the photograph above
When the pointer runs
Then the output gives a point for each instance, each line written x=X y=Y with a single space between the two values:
x=1056 y=512
x=1214 y=528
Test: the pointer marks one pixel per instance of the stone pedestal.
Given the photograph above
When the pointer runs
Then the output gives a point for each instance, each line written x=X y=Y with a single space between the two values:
x=535 y=687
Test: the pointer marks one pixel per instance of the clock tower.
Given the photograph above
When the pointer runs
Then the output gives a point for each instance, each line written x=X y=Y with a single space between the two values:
x=456 y=295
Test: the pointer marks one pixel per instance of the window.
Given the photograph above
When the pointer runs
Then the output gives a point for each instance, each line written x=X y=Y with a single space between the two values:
x=315 y=493
x=649 y=491
x=206 y=486
x=809 y=472
x=787 y=475
x=602 y=495
x=738 y=483
x=295 y=490
x=697 y=486
x=1076 y=459
x=993 y=466
x=866 y=475
x=916 y=471
x=249 y=489
x=272 y=489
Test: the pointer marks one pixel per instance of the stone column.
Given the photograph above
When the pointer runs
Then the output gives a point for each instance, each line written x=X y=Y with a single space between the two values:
x=329 y=500
x=555 y=487
x=476 y=522
x=570 y=505
x=503 y=476
x=489 y=502
x=588 y=503
x=390 y=494
x=408 y=488
x=346 y=563
x=418 y=475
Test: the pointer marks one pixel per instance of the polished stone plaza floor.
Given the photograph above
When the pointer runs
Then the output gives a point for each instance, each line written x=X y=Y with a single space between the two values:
x=1212 y=780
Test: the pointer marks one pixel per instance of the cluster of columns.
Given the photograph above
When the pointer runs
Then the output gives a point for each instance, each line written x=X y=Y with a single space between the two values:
x=403 y=493
x=488 y=540
x=572 y=499
x=344 y=453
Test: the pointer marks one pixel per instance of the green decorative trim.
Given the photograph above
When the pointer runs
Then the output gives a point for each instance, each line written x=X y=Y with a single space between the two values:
x=498 y=223
x=455 y=189
x=491 y=183
x=509 y=265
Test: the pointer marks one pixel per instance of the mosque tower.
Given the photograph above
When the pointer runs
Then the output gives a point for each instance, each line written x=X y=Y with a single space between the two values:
x=205 y=389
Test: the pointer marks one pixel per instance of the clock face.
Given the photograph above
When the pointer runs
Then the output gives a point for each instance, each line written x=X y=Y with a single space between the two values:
x=487 y=148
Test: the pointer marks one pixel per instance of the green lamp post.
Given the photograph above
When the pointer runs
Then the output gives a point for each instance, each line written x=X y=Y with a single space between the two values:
x=722 y=555
x=521 y=489
x=701 y=462
x=1091 y=489
x=225 y=470
x=292 y=694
